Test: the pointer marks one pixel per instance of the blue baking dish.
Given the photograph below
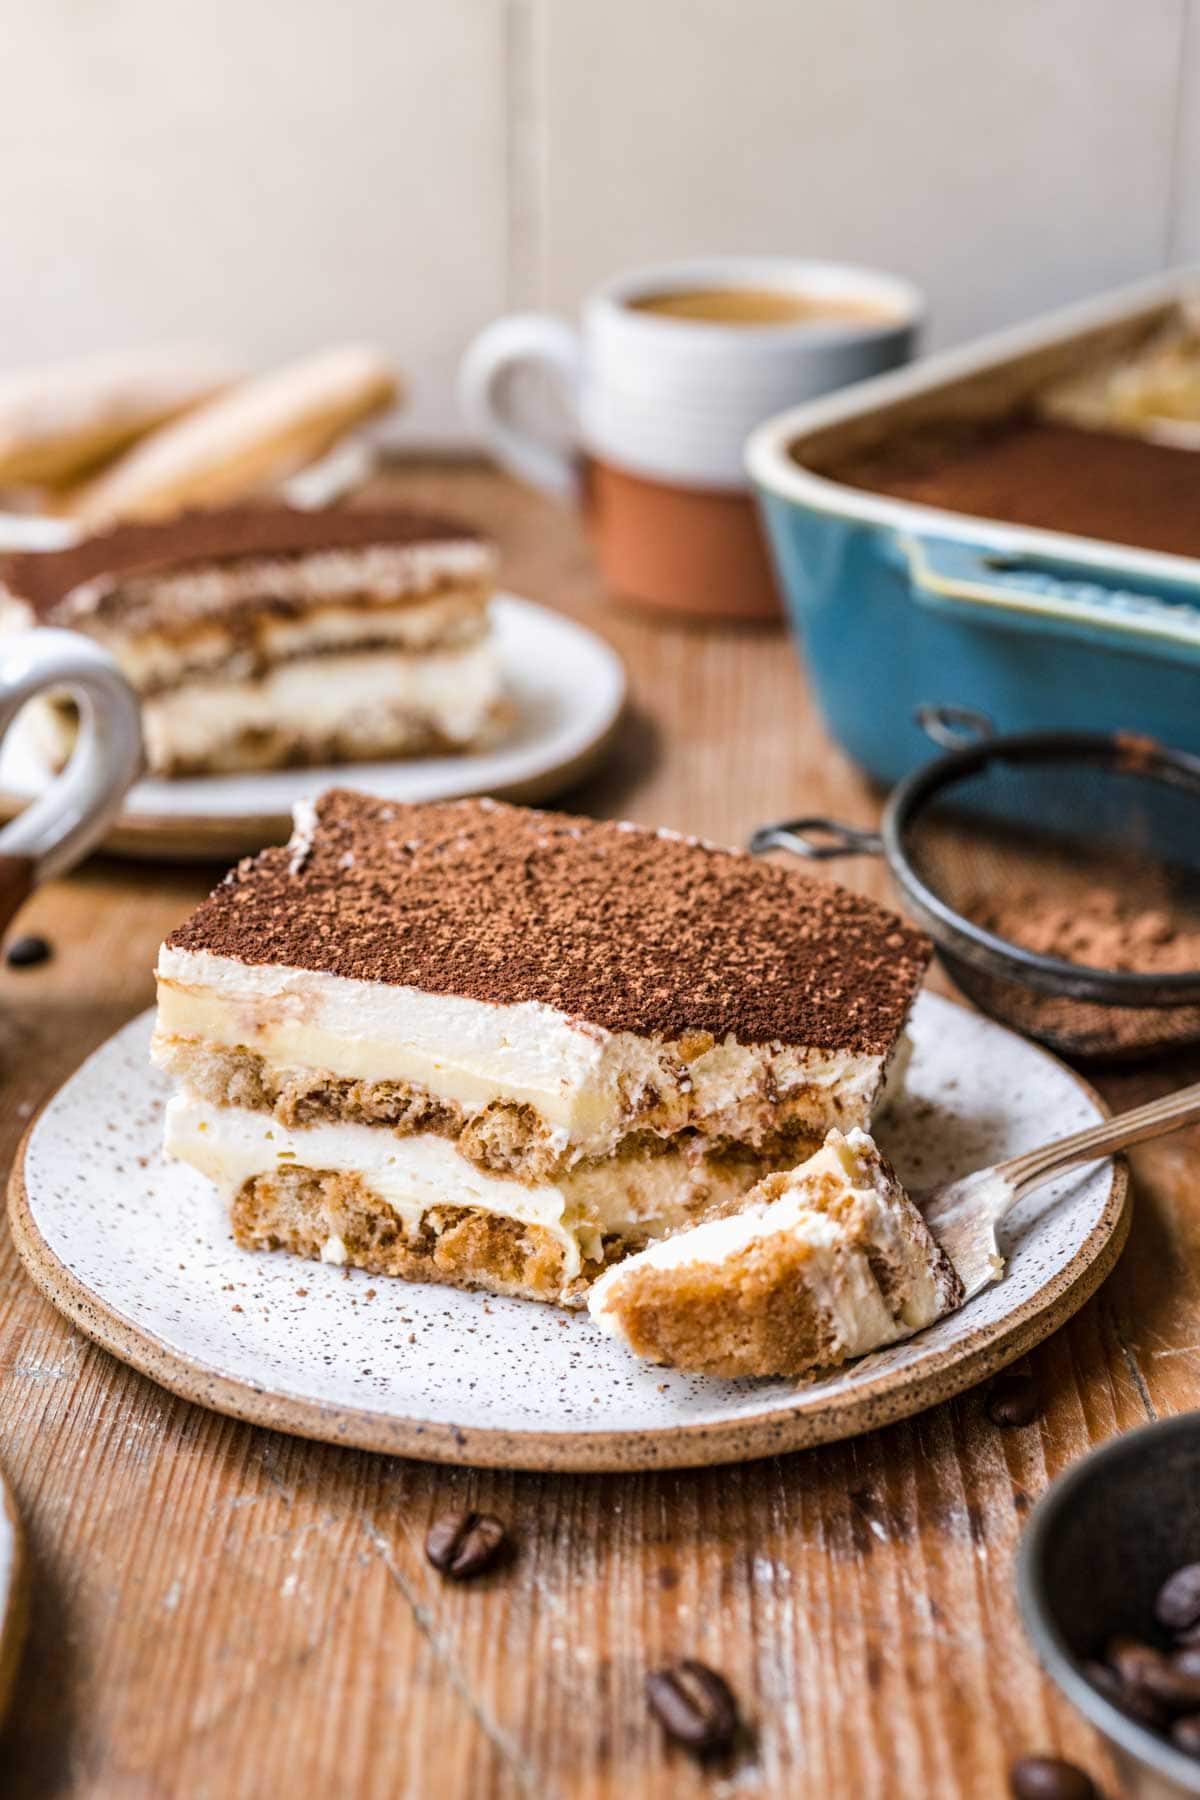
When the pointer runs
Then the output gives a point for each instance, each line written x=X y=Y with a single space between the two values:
x=898 y=605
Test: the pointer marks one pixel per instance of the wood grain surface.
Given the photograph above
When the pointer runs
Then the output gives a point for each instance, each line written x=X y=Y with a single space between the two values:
x=223 y=1613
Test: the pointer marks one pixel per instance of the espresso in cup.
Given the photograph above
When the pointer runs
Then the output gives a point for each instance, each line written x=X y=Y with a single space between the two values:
x=663 y=403
x=760 y=306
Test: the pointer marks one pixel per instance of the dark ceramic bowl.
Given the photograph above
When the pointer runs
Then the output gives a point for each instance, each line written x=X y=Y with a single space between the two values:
x=1097 y=1547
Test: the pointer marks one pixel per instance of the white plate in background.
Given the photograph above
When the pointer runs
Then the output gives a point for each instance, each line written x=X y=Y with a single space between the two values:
x=568 y=687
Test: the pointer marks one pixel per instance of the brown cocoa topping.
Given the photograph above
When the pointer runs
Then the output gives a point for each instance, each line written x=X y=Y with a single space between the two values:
x=626 y=929
x=219 y=536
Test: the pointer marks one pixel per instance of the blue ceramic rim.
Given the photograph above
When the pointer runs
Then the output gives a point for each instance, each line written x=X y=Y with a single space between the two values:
x=1138 y=1741
x=996 y=955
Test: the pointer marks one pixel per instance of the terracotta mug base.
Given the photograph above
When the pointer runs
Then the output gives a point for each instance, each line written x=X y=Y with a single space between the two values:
x=691 y=550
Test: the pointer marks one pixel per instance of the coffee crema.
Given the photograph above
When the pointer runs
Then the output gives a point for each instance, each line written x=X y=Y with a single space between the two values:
x=761 y=306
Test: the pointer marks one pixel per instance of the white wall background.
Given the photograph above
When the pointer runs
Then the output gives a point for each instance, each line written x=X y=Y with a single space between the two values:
x=273 y=174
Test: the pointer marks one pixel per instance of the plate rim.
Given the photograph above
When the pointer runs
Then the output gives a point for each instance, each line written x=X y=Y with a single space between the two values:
x=201 y=837
x=882 y=1400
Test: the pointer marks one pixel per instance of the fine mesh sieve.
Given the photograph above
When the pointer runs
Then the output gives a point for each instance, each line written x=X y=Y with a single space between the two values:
x=1058 y=874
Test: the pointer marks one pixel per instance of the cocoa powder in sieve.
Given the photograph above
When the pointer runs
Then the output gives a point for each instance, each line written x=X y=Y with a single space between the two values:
x=1095 y=929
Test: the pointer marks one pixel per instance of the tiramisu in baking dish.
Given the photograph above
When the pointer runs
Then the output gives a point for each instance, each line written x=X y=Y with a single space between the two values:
x=266 y=636
x=477 y=1044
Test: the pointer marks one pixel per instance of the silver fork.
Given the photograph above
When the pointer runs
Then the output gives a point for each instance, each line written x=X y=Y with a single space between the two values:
x=963 y=1215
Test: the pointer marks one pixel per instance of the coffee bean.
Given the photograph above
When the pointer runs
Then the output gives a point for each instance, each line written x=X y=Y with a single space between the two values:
x=1185 y=1734
x=1106 y=1680
x=694 y=1705
x=1130 y=1658
x=1049 y=1778
x=1013 y=1400
x=1178 y=1603
x=1134 y=1703
x=1174 y=1683
x=464 y=1544
x=27 y=952
x=1147 y=1671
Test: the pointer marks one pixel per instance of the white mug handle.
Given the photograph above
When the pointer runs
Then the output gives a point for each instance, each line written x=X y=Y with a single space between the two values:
x=536 y=340
x=64 y=822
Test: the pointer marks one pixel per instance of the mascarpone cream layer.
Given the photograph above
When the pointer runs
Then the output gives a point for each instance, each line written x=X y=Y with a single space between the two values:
x=238 y=647
x=589 y=1086
x=645 y=1194
x=837 y=1272
x=368 y=696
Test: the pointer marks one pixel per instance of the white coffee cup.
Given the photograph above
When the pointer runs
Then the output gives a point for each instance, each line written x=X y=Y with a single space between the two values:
x=59 y=827
x=662 y=406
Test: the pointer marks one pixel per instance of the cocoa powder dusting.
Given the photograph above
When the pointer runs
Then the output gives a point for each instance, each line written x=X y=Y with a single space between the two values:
x=216 y=537
x=624 y=928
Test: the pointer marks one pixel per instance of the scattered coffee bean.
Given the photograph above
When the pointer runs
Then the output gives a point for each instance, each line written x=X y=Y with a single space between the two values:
x=1049 y=1778
x=27 y=952
x=464 y=1544
x=1178 y=1603
x=694 y=1705
x=1185 y=1734
x=1013 y=1400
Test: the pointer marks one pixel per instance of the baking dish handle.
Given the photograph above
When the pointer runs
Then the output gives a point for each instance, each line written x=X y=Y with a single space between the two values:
x=1040 y=592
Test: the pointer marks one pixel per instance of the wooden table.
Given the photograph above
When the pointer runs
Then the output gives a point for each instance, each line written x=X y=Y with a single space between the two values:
x=220 y=1612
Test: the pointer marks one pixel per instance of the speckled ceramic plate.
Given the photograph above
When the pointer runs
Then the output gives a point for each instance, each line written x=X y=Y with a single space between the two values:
x=568 y=688
x=13 y=1590
x=139 y=1254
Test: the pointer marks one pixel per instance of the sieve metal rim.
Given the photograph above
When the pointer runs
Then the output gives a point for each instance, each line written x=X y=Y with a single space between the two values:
x=982 y=949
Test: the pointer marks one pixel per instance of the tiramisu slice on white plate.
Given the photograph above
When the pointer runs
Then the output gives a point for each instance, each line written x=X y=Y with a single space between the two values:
x=474 y=1043
x=267 y=636
x=822 y=1263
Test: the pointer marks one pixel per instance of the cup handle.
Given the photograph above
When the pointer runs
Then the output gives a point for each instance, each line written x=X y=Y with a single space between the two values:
x=63 y=823
x=531 y=340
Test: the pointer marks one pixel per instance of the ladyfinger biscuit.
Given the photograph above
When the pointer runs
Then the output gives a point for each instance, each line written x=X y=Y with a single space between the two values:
x=58 y=422
x=247 y=439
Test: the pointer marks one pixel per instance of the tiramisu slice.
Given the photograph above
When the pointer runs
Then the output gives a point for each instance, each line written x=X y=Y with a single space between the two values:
x=821 y=1264
x=474 y=1043
x=264 y=636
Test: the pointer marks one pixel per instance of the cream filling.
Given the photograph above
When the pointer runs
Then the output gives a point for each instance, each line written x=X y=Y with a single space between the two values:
x=837 y=1272
x=154 y=659
x=370 y=697
x=642 y=1195
x=590 y=1086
